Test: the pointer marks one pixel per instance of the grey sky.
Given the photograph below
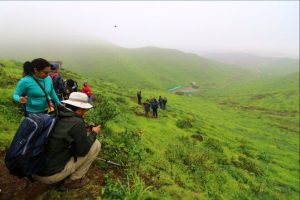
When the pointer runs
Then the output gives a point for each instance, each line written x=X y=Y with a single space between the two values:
x=266 y=28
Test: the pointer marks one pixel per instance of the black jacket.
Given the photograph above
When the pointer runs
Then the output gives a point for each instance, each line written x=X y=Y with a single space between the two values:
x=68 y=138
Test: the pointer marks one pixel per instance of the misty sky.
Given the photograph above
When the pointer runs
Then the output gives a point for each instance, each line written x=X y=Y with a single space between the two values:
x=265 y=28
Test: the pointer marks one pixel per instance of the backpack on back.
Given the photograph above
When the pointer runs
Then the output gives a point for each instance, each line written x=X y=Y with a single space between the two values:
x=72 y=84
x=54 y=77
x=26 y=154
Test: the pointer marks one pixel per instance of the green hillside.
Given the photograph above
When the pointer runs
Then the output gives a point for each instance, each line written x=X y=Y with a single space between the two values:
x=153 y=68
x=148 y=67
x=227 y=143
x=280 y=67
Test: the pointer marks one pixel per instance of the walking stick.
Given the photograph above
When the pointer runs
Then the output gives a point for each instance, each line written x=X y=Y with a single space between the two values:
x=109 y=162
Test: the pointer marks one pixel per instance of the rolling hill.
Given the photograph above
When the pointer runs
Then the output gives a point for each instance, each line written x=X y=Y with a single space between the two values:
x=148 y=67
x=237 y=140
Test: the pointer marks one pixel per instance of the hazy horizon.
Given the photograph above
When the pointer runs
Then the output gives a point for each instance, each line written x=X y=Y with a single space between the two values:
x=268 y=28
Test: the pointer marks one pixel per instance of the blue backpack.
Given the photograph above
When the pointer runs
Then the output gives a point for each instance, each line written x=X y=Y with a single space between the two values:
x=26 y=154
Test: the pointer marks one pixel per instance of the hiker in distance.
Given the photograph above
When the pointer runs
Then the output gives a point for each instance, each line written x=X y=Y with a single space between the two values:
x=160 y=102
x=57 y=81
x=147 y=107
x=139 y=96
x=70 y=149
x=164 y=103
x=87 y=90
x=154 y=106
x=35 y=90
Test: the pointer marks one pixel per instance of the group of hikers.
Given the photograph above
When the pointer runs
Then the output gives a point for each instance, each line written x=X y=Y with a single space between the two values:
x=62 y=88
x=152 y=104
x=71 y=147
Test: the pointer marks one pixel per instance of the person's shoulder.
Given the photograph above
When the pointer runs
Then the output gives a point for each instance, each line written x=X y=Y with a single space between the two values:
x=26 y=79
x=48 y=79
x=68 y=115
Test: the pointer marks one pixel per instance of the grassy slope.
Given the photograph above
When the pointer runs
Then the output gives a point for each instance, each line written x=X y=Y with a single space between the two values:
x=265 y=92
x=246 y=153
x=154 y=68
x=279 y=67
x=270 y=152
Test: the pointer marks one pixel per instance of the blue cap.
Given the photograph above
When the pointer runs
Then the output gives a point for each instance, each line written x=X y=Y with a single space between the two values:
x=54 y=66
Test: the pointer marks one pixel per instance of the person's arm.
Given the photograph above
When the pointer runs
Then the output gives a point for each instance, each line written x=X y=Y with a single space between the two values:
x=82 y=139
x=20 y=89
x=89 y=92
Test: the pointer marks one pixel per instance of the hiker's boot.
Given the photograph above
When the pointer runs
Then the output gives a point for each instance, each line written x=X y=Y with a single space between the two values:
x=74 y=184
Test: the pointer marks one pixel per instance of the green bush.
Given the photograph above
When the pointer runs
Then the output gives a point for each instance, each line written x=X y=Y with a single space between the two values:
x=133 y=189
x=247 y=164
x=121 y=100
x=123 y=147
x=184 y=123
x=214 y=144
x=104 y=110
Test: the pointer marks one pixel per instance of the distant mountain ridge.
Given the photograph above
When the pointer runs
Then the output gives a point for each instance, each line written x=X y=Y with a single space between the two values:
x=243 y=59
x=149 y=67
x=138 y=67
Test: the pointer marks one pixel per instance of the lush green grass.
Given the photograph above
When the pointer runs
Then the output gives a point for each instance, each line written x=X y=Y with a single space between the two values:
x=217 y=145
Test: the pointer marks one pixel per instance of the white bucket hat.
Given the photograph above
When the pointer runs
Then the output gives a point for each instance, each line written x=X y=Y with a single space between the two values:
x=78 y=99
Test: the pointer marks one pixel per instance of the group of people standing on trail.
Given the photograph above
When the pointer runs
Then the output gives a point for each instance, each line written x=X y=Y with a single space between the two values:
x=152 y=104
x=71 y=147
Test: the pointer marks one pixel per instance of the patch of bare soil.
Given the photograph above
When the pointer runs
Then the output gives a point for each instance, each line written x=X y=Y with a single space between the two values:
x=12 y=187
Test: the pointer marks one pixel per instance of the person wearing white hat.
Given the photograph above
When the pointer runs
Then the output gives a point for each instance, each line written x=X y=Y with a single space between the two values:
x=71 y=149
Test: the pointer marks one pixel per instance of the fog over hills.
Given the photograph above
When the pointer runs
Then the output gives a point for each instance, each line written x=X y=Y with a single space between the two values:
x=241 y=59
x=148 y=66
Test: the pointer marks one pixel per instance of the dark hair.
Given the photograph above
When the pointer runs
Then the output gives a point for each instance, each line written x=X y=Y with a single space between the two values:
x=38 y=63
x=27 y=68
x=74 y=108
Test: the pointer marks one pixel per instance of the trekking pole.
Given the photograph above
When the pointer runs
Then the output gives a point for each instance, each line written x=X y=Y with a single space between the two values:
x=25 y=111
x=109 y=162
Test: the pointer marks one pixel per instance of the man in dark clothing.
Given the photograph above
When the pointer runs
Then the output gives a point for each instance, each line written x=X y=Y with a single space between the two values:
x=164 y=103
x=57 y=81
x=139 y=96
x=154 y=106
x=160 y=102
x=70 y=149
x=147 y=107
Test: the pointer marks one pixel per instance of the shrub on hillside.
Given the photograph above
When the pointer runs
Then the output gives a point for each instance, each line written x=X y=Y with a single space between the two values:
x=134 y=188
x=121 y=100
x=214 y=144
x=247 y=164
x=124 y=148
x=184 y=123
x=103 y=111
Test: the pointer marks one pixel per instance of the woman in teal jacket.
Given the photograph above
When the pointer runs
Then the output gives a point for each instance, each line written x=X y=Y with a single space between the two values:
x=28 y=91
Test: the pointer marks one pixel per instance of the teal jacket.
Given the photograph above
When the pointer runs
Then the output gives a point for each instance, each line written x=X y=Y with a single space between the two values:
x=36 y=100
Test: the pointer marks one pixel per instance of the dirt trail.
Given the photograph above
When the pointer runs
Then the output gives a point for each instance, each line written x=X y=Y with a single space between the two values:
x=12 y=187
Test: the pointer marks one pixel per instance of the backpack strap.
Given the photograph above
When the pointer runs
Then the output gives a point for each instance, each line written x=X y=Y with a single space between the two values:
x=31 y=179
